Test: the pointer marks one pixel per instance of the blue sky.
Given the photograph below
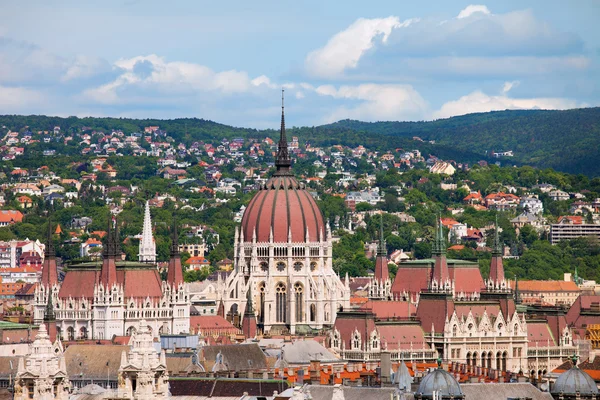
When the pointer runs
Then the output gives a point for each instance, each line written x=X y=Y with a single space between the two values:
x=227 y=61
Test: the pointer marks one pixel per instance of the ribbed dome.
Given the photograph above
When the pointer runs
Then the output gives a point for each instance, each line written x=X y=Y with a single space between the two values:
x=440 y=381
x=573 y=381
x=283 y=205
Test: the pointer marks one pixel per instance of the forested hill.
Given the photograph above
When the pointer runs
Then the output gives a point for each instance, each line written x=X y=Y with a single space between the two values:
x=564 y=140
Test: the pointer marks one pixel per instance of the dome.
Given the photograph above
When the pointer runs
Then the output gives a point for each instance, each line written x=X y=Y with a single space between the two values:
x=283 y=206
x=441 y=382
x=575 y=381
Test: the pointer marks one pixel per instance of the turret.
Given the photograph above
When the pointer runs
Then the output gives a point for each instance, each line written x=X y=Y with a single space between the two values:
x=381 y=262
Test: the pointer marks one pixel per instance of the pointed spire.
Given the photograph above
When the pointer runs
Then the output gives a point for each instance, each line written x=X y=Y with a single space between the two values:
x=282 y=161
x=174 y=272
x=49 y=314
x=147 y=251
x=439 y=245
x=174 y=239
x=497 y=249
x=49 y=251
x=517 y=294
x=49 y=273
x=381 y=249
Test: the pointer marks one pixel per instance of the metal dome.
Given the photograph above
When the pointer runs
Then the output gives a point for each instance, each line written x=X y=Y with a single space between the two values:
x=441 y=382
x=575 y=381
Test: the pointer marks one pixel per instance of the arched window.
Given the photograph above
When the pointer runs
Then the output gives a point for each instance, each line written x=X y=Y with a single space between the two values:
x=356 y=341
x=454 y=330
x=504 y=357
x=313 y=266
x=499 y=361
x=281 y=302
x=475 y=356
x=374 y=341
x=299 y=290
x=83 y=333
x=335 y=343
x=313 y=313
x=261 y=311
x=298 y=266
x=70 y=333
x=489 y=360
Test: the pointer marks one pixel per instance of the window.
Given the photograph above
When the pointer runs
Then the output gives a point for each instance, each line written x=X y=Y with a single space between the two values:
x=264 y=266
x=298 y=266
x=280 y=266
x=299 y=290
x=281 y=302
x=313 y=266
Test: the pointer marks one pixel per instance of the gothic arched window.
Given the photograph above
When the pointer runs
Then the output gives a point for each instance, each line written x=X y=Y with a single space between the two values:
x=313 y=266
x=281 y=302
x=264 y=266
x=298 y=266
x=299 y=290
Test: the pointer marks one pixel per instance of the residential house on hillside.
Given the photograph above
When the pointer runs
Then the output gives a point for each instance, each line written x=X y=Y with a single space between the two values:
x=501 y=201
x=442 y=167
x=559 y=195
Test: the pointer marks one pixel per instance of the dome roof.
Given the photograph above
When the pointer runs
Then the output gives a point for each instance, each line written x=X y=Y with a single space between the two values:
x=441 y=382
x=573 y=381
x=282 y=206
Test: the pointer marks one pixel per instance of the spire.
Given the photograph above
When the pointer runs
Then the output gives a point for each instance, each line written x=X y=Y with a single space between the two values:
x=517 y=294
x=108 y=273
x=49 y=314
x=497 y=249
x=174 y=239
x=49 y=274
x=282 y=162
x=147 y=251
x=440 y=274
x=249 y=321
x=175 y=273
x=109 y=250
x=496 y=265
x=49 y=251
x=439 y=245
x=381 y=249
x=381 y=262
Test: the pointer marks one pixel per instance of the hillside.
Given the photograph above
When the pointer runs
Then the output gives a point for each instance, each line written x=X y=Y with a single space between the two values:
x=567 y=141
x=564 y=140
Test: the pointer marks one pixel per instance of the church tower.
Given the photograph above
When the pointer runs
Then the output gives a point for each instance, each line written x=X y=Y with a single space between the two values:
x=147 y=252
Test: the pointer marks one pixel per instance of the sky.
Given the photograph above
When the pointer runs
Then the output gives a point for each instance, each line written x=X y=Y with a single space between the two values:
x=228 y=61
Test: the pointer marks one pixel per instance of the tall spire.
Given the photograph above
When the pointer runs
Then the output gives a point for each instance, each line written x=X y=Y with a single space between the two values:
x=282 y=161
x=382 y=273
x=175 y=273
x=497 y=249
x=49 y=274
x=440 y=275
x=496 y=265
x=108 y=273
x=147 y=251
x=439 y=244
x=381 y=249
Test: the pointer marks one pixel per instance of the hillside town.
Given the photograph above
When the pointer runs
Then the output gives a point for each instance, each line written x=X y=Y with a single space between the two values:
x=265 y=267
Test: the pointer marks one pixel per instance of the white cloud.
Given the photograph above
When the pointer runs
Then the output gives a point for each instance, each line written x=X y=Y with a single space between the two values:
x=478 y=101
x=509 y=85
x=473 y=9
x=375 y=102
x=153 y=73
x=345 y=48
x=12 y=99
